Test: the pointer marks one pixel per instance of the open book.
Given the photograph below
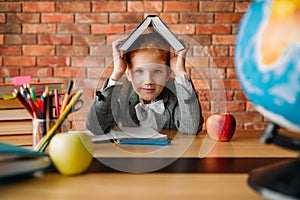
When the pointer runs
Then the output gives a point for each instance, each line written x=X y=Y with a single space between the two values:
x=131 y=135
x=158 y=25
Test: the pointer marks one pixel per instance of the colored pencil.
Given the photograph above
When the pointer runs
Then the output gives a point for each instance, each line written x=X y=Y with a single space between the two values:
x=67 y=96
x=23 y=101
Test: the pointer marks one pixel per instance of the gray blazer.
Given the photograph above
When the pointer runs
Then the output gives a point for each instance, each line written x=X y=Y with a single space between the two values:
x=115 y=106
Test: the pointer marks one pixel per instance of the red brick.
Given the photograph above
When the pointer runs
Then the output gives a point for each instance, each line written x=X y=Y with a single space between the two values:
x=213 y=29
x=213 y=51
x=9 y=71
x=104 y=51
x=73 y=28
x=94 y=72
x=20 y=39
x=39 y=28
x=231 y=51
x=130 y=27
x=231 y=106
x=91 y=61
x=10 y=6
x=144 y=6
x=202 y=39
x=78 y=61
x=169 y=18
x=197 y=62
x=53 y=61
x=227 y=83
x=215 y=95
x=68 y=72
x=88 y=40
x=183 y=28
x=72 y=51
x=23 y=18
x=10 y=50
x=224 y=39
x=242 y=6
x=210 y=6
x=2 y=18
x=2 y=39
x=88 y=85
x=109 y=6
x=235 y=28
x=10 y=28
x=182 y=6
x=239 y=95
x=73 y=6
x=196 y=17
x=36 y=72
x=250 y=106
x=54 y=39
x=91 y=18
x=223 y=62
x=19 y=61
x=201 y=84
x=125 y=17
x=107 y=28
x=248 y=117
x=204 y=95
x=57 y=18
x=38 y=50
x=38 y=6
x=205 y=106
x=207 y=73
x=231 y=73
x=228 y=17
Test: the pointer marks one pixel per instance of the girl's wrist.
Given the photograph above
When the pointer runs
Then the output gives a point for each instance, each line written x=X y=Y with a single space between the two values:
x=180 y=73
x=116 y=76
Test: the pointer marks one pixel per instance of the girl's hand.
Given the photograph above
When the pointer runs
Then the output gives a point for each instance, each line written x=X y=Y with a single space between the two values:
x=177 y=61
x=119 y=61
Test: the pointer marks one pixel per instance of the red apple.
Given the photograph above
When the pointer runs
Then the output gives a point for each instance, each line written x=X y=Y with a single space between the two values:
x=221 y=126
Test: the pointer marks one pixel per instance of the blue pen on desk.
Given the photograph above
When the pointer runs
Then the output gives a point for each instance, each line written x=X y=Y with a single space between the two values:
x=115 y=138
x=145 y=142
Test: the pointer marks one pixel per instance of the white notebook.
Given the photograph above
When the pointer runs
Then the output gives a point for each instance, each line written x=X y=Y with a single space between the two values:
x=139 y=133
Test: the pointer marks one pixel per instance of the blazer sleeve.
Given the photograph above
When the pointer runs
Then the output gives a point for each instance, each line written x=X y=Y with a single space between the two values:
x=100 y=119
x=188 y=113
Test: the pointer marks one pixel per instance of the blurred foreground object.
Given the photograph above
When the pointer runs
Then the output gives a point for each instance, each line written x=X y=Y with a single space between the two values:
x=267 y=64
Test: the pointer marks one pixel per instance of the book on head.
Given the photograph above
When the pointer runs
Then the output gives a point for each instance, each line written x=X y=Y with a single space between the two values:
x=159 y=26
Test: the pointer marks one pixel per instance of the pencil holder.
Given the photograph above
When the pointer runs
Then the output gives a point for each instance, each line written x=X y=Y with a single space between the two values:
x=40 y=127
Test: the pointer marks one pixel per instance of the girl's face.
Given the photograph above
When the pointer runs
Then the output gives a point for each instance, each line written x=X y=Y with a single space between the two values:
x=148 y=74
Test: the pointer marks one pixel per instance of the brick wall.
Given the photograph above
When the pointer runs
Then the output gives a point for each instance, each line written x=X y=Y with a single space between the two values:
x=63 y=40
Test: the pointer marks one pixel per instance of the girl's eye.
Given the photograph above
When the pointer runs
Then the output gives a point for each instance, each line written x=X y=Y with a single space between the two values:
x=138 y=71
x=157 y=71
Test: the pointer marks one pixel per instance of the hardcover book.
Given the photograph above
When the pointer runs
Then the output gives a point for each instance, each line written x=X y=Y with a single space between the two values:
x=15 y=160
x=159 y=26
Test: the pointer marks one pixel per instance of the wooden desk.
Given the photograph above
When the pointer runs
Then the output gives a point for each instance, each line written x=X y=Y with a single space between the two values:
x=166 y=184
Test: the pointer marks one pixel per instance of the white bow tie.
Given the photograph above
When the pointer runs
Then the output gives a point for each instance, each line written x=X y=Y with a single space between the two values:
x=145 y=112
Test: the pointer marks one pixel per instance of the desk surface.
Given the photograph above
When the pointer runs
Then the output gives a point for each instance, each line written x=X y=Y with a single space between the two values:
x=244 y=144
x=198 y=184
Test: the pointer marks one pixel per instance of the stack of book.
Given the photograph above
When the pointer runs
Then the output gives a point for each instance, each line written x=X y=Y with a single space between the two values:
x=15 y=120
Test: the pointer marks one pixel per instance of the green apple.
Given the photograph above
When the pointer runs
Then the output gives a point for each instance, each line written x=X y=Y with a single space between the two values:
x=71 y=153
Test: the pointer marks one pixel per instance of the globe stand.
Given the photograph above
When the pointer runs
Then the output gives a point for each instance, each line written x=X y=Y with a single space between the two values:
x=280 y=180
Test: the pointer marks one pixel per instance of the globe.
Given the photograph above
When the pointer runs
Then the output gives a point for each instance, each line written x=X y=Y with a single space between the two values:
x=267 y=57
